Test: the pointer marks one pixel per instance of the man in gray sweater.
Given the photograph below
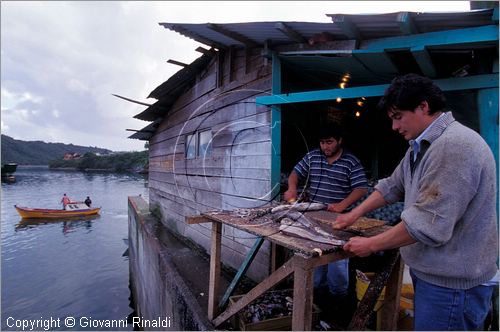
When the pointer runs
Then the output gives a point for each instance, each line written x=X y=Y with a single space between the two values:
x=448 y=233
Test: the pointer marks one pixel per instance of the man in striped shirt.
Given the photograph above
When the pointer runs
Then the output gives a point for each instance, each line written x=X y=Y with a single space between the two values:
x=336 y=177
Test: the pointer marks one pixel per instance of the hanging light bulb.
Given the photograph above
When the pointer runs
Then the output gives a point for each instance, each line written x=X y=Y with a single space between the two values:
x=357 y=114
x=342 y=85
x=339 y=99
x=360 y=103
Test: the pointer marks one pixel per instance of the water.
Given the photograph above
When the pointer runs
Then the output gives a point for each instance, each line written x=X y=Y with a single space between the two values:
x=73 y=268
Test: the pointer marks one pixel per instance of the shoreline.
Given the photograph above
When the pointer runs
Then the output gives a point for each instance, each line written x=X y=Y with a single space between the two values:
x=75 y=169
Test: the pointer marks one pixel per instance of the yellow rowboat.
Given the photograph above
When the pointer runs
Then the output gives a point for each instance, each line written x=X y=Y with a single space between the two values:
x=72 y=210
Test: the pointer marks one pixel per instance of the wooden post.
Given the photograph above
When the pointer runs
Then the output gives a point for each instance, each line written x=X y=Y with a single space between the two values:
x=367 y=303
x=390 y=310
x=284 y=271
x=241 y=272
x=302 y=296
x=213 y=287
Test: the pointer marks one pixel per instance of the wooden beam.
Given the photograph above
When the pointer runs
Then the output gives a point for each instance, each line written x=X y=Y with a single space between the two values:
x=367 y=303
x=494 y=17
x=302 y=296
x=487 y=106
x=131 y=100
x=284 y=271
x=203 y=50
x=214 y=277
x=231 y=57
x=392 y=297
x=345 y=24
x=334 y=47
x=290 y=33
x=406 y=23
x=449 y=84
x=266 y=52
x=275 y=128
x=141 y=130
x=379 y=62
x=424 y=61
x=232 y=34
x=178 y=63
x=241 y=272
x=475 y=35
x=192 y=220
x=220 y=69
x=248 y=56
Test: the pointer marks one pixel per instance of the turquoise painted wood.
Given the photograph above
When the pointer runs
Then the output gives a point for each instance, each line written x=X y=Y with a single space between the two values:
x=487 y=102
x=377 y=60
x=487 y=33
x=449 y=84
x=275 y=129
x=241 y=272
x=424 y=61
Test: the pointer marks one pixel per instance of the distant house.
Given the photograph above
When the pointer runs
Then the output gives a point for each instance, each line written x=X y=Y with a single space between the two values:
x=227 y=126
x=72 y=156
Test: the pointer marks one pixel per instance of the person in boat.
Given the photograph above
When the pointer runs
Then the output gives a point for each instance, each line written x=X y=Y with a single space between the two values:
x=335 y=177
x=87 y=201
x=448 y=232
x=65 y=200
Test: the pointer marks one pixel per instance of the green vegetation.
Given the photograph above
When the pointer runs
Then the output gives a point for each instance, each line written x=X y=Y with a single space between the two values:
x=118 y=162
x=52 y=154
x=38 y=152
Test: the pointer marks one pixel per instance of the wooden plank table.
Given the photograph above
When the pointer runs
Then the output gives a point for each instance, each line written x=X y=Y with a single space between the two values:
x=307 y=255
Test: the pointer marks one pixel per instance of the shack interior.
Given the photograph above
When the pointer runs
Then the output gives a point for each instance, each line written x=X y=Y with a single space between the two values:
x=368 y=132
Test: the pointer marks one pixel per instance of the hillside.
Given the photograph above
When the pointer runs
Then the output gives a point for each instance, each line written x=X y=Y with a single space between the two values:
x=117 y=162
x=38 y=152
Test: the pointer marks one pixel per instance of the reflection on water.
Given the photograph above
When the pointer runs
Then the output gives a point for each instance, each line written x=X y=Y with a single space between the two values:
x=67 y=223
x=72 y=267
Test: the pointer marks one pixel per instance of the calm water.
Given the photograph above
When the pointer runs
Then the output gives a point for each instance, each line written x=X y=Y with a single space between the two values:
x=72 y=268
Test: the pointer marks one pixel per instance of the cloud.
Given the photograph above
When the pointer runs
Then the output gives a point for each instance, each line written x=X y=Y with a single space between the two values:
x=61 y=61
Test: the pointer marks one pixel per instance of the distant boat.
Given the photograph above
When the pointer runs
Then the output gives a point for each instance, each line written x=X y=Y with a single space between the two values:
x=72 y=210
x=8 y=168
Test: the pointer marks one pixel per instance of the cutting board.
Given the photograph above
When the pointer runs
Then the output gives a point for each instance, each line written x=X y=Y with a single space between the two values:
x=361 y=224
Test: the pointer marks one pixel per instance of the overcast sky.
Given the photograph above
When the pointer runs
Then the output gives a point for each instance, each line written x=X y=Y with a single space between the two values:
x=61 y=61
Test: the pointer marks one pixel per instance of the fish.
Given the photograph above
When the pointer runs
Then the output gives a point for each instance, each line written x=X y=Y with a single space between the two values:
x=302 y=207
x=289 y=226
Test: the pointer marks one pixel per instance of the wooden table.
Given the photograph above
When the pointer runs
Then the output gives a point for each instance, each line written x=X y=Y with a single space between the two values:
x=306 y=257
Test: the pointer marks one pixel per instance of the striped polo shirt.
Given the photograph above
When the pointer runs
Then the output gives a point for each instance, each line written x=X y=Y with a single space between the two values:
x=331 y=183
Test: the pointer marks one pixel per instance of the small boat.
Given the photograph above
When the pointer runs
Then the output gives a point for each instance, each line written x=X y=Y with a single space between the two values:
x=72 y=210
x=9 y=168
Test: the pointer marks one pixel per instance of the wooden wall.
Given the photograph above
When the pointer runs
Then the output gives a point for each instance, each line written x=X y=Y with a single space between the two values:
x=236 y=174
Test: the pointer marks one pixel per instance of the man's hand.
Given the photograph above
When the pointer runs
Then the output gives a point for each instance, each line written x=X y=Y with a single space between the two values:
x=290 y=195
x=344 y=220
x=360 y=246
x=336 y=207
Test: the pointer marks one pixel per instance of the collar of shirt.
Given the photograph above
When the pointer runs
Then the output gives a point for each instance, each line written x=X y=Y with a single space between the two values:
x=415 y=144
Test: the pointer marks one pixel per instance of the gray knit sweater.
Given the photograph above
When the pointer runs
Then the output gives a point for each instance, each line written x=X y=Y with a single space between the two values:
x=449 y=206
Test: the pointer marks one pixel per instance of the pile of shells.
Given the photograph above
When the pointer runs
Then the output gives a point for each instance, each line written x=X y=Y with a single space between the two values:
x=272 y=304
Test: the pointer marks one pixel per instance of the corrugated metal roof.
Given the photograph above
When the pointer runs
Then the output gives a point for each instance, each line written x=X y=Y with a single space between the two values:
x=367 y=27
x=145 y=133
x=343 y=27
x=168 y=91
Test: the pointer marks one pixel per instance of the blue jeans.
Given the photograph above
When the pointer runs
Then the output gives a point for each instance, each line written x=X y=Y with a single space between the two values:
x=334 y=275
x=446 y=309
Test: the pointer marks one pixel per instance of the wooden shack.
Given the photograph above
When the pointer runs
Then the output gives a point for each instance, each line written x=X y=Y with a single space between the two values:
x=228 y=128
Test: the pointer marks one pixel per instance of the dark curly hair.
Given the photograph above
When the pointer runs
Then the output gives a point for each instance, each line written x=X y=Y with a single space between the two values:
x=408 y=91
x=330 y=129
